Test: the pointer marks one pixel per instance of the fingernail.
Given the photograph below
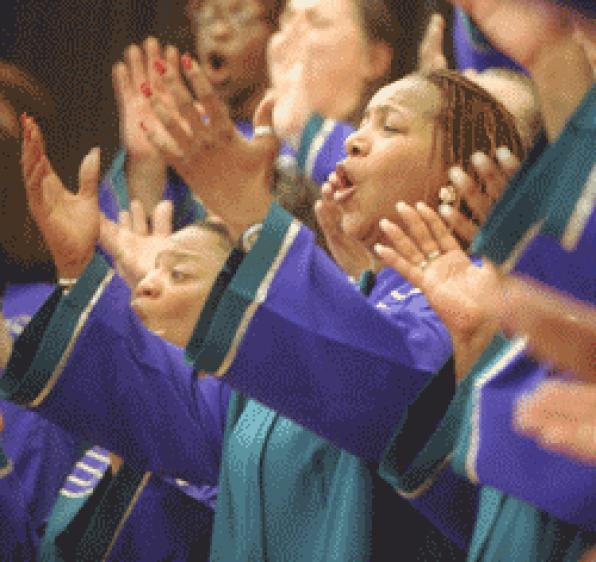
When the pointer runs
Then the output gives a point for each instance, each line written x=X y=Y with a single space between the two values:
x=445 y=210
x=384 y=224
x=146 y=89
x=28 y=134
x=160 y=66
x=456 y=175
x=448 y=195
x=23 y=120
x=420 y=206
x=401 y=206
x=186 y=61
x=378 y=248
x=503 y=153
x=143 y=126
x=479 y=160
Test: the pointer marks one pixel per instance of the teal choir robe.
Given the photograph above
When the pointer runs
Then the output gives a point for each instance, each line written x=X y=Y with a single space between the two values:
x=98 y=372
x=535 y=505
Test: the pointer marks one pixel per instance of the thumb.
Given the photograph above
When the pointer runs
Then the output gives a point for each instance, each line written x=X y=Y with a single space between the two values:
x=108 y=236
x=263 y=122
x=89 y=174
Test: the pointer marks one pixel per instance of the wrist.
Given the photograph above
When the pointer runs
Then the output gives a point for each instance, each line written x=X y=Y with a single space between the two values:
x=72 y=269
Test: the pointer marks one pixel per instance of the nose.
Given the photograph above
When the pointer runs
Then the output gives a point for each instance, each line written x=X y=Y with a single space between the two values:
x=149 y=286
x=220 y=28
x=357 y=144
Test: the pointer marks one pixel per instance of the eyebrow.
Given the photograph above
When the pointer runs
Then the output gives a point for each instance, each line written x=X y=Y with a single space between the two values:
x=385 y=108
x=181 y=255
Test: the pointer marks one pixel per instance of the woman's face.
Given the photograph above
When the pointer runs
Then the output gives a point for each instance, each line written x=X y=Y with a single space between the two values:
x=328 y=37
x=169 y=299
x=231 y=42
x=394 y=156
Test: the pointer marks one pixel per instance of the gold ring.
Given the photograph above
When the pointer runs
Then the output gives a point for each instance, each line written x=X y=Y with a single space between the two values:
x=433 y=255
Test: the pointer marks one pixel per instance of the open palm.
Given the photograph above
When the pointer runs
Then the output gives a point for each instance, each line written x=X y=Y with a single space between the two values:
x=69 y=222
x=423 y=250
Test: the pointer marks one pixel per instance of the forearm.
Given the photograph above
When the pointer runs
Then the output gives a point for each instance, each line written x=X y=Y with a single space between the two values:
x=146 y=178
x=563 y=76
x=85 y=363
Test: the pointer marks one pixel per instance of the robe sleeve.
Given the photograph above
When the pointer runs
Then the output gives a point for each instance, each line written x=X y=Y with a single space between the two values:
x=476 y=435
x=114 y=195
x=17 y=537
x=86 y=363
x=472 y=48
x=291 y=331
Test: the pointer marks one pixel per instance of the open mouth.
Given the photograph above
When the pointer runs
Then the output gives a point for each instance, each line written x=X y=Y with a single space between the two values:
x=217 y=68
x=345 y=188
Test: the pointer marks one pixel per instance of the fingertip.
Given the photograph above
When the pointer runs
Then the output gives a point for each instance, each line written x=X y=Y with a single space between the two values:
x=401 y=207
x=457 y=175
x=503 y=153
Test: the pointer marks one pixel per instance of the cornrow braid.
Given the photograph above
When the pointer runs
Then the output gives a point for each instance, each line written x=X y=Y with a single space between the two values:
x=472 y=120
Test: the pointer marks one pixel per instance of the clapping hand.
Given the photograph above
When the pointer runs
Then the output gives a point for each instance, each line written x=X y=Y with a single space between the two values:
x=479 y=198
x=131 y=244
x=350 y=254
x=230 y=174
x=69 y=222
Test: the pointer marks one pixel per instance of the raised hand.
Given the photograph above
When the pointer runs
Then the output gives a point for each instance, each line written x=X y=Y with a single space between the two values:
x=522 y=30
x=539 y=35
x=230 y=174
x=350 y=254
x=131 y=244
x=561 y=416
x=145 y=168
x=422 y=249
x=478 y=197
x=431 y=55
x=69 y=222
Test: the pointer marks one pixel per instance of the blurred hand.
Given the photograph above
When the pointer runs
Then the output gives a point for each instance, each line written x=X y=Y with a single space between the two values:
x=230 y=174
x=523 y=30
x=350 y=254
x=561 y=417
x=479 y=197
x=130 y=243
x=422 y=250
x=561 y=330
x=68 y=222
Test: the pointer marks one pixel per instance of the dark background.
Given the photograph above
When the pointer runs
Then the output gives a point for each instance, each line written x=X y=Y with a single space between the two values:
x=70 y=46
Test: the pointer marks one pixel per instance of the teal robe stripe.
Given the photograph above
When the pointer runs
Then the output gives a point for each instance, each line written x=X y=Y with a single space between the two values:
x=566 y=164
x=367 y=281
x=48 y=359
x=111 y=514
x=411 y=467
x=116 y=178
x=310 y=131
x=243 y=294
x=513 y=530
x=185 y=205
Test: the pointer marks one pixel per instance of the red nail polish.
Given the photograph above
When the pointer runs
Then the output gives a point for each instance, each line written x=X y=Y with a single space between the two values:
x=186 y=61
x=23 y=120
x=160 y=66
x=143 y=126
x=146 y=89
x=28 y=134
